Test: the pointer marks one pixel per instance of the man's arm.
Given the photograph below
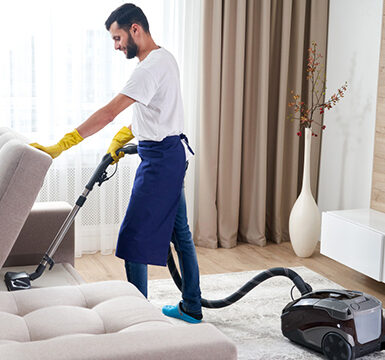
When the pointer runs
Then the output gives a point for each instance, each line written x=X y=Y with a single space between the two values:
x=104 y=116
x=92 y=125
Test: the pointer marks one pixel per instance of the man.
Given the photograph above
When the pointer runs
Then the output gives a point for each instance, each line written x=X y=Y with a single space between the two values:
x=156 y=213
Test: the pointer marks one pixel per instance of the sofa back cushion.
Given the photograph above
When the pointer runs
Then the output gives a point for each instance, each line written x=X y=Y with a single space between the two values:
x=22 y=172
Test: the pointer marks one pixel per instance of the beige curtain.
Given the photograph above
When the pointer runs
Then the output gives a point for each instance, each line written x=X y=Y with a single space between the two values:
x=250 y=159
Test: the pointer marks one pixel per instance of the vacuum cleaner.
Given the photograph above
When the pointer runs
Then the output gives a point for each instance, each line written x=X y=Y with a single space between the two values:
x=341 y=324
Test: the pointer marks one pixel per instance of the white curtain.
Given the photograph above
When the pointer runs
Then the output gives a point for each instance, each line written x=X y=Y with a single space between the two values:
x=58 y=66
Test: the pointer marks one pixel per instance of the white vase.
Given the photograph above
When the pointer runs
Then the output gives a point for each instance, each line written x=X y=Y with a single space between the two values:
x=305 y=218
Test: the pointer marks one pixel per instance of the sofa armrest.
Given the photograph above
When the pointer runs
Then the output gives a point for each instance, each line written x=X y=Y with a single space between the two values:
x=39 y=230
x=187 y=342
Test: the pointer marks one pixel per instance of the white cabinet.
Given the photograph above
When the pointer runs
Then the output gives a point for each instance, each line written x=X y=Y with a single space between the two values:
x=355 y=238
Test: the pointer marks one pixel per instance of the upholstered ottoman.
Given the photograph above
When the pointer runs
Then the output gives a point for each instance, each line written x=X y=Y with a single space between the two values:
x=105 y=320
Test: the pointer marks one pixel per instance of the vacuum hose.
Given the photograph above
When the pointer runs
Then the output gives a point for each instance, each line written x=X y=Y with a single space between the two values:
x=301 y=285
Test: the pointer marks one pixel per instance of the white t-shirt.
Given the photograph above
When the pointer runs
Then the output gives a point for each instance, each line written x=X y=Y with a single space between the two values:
x=155 y=85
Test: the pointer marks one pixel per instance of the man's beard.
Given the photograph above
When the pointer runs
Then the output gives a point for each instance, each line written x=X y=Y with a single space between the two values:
x=131 y=48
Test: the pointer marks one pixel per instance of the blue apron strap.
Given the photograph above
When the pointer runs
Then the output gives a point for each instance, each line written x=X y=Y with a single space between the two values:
x=184 y=138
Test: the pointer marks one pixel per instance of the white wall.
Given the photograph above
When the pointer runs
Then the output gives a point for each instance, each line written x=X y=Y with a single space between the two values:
x=347 y=145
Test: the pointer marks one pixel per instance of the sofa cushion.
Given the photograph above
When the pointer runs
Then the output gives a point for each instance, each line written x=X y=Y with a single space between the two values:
x=22 y=173
x=108 y=320
x=34 y=239
x=95 y=308
x=195 y=342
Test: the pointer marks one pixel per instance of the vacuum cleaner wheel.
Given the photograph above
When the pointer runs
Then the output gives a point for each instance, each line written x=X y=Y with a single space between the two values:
x=335 y=347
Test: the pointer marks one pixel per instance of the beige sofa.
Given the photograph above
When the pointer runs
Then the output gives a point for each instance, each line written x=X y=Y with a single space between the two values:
x=62 y=317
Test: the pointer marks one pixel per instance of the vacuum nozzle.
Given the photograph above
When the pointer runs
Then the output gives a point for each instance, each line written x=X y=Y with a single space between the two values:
x=17 y=281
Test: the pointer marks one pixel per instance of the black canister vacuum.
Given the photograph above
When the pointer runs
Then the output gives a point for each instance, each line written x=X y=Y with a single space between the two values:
x=341 y=324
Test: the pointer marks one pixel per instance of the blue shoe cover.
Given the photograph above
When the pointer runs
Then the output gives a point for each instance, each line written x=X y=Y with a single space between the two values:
x=176 y=312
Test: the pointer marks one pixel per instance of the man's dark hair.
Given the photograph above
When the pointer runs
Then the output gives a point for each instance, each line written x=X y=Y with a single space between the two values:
x=126 y=15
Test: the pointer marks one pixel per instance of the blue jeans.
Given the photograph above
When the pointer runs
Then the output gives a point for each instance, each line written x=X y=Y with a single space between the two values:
x=185 y=248
x=137 y=275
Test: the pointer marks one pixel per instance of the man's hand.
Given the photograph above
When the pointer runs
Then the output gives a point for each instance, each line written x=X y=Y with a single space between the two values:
x=123 y=136
x=69 y=140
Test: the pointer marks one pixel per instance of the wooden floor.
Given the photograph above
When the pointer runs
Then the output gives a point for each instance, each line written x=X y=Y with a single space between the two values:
x=244 y=257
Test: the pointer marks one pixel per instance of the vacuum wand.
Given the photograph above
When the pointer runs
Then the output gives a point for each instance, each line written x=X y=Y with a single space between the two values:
x=47 y=258
x=22 y=280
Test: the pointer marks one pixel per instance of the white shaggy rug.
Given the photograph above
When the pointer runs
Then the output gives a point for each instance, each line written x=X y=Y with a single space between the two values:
x=253 y=322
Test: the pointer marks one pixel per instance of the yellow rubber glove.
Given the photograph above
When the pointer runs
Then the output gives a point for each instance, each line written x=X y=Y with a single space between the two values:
x=123 y=136
x=69 y=140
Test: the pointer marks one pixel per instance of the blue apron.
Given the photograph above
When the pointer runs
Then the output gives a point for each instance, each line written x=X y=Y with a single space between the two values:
x=147 y=227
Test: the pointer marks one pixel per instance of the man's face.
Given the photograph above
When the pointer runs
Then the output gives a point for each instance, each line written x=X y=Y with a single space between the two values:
x=123 y=41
